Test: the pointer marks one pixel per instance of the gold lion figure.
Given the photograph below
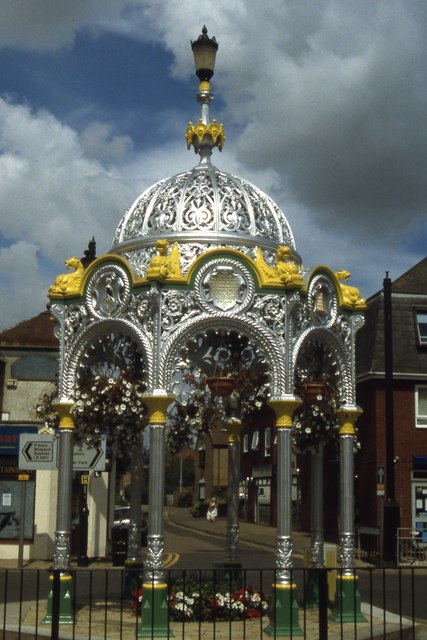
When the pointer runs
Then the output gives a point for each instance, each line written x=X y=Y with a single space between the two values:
x=164 y=266
x=350 y=295
x=285 y=271
x=69 y=282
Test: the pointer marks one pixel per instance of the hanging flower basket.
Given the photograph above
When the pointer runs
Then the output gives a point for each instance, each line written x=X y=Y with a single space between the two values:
x=221 y=386
x=312 y=390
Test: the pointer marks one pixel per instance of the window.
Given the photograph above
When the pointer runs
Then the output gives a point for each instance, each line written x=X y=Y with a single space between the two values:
x=245 y=443
x=267 y=441
x=421 y=406
x=422 y=327
x=202 y=458
x=255 y=440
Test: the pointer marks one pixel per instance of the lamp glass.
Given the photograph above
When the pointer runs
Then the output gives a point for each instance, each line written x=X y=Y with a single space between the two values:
x=204 y=57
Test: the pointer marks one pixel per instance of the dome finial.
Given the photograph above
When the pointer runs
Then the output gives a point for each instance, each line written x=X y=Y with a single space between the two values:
x=205 y=134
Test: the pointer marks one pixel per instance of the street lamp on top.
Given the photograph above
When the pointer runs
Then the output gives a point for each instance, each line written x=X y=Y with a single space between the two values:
x=204 y=52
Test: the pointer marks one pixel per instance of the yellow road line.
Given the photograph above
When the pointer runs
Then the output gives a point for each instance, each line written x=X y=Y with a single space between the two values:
x=170 y=560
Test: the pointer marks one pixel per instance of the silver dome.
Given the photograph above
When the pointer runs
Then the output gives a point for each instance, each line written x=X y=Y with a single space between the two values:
x=204 y=205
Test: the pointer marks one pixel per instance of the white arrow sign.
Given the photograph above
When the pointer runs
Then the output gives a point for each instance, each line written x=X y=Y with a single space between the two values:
x=37 y=451
x=40 y=452
x=87 y=458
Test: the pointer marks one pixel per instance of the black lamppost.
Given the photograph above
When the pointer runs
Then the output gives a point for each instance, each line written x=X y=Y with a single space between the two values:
x=83 y=560
x=391 y=508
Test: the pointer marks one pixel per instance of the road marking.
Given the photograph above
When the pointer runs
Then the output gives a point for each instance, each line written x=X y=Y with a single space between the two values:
x=170 y=560
x=219 y=536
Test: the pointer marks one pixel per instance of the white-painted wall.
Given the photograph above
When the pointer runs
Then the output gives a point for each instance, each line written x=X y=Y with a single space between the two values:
x=97 y=502
x=45 y=515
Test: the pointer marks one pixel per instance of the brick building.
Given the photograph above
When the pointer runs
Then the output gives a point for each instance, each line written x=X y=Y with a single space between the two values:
x=409 y=344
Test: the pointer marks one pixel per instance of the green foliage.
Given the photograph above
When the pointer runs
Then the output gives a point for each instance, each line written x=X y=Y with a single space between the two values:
x=173 y=472
x=114 y=405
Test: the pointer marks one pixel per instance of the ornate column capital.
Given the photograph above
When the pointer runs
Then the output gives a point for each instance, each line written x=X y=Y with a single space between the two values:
x=234 y=426
x=347 y=416
x=284 y=408
x=63 y=408
x=157 y=406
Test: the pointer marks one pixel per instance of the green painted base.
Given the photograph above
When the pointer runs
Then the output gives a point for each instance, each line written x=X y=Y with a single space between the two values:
x=347 y=601
x=65 y=601
x=132 y=578
x=284 y=619
x=312 y=589
x=154 y=612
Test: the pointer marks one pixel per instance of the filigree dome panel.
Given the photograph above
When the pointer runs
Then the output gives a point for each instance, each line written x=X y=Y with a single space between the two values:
x=206 y=201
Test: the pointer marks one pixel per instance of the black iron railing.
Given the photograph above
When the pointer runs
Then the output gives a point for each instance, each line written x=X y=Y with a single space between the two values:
x=220 y=604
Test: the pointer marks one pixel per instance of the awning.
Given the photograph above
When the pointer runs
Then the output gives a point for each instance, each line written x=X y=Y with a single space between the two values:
x=9 y=437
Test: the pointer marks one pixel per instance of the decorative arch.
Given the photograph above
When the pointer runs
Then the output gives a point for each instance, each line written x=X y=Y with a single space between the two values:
x=343 y=370
x=246 y=326
x=97 y=330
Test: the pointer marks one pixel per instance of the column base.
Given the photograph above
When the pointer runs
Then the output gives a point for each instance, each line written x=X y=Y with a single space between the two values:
x=347 y=601
x=228 y=570
x=132 y=577
x=154 y=612
x=312 y=589
x=284 y=619
x=65 y=601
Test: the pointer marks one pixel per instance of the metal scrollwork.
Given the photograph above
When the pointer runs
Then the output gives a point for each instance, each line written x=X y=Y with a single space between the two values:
x=154 y=558
x=204 y=200
x=108 y=292
x=273 y=311
x=317 y=547
x=233 y=535
x=175 y=306
x=284 y=552
x=76 y=320
x=62 y=550
x=347 y=550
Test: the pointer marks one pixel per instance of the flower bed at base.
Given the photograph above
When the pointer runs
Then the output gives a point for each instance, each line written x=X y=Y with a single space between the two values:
x=190 y=601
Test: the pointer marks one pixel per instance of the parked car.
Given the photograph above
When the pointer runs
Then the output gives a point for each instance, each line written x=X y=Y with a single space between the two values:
x=122 y=520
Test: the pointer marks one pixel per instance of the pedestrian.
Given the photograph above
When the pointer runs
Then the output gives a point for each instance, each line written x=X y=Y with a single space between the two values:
x=212 y=510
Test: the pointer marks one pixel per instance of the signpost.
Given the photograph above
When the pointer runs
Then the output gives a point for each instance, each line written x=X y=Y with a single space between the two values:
x=87 y=458
x=37 y=451
x=380 y=480
x=23 y=477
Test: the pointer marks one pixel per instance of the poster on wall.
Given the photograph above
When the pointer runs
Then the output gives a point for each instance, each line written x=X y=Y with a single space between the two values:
x=10 y=509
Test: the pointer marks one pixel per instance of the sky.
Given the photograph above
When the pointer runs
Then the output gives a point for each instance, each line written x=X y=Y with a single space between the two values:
x=323 y=103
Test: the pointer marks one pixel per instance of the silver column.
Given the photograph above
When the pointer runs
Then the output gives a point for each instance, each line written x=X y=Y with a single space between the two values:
x=347 y=419
x=61 y=558
x=134 y=540
x=157 y=405
x=284 y=410
x=316 y=507
x=233 y=528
